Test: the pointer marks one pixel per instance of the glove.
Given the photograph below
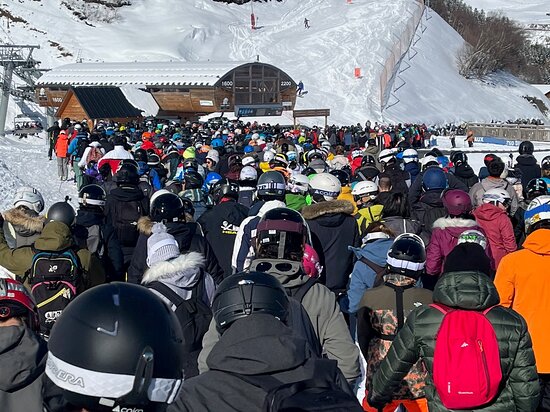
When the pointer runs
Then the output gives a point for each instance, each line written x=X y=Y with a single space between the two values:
x=379 y=405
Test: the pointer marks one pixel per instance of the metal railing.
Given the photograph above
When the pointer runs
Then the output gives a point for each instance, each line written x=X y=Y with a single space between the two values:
x=512 y=131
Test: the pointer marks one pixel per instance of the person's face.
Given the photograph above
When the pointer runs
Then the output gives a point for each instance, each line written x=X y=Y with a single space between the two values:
x=11 y=322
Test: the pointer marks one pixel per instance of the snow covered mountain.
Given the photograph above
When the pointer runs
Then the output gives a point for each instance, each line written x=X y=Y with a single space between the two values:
x=343 y=36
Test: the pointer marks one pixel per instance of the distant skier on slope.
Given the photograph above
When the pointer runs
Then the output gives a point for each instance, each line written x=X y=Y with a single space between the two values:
x=300 y=89
x=306 y=23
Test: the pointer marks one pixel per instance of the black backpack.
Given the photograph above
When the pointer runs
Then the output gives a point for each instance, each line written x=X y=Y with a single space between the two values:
x=54 y=278
x=321 y=393
x=81 y=146
x=125 y=219
x=194 y=316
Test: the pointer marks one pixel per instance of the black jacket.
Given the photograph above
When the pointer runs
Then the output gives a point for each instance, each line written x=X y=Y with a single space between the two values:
x=427 y=210
x=529 y=168
x=108 y=250
x=257 y=344
x=189 y=238
x=465 y=174
x=398 y=178
x=220 y=225
x=333 y=229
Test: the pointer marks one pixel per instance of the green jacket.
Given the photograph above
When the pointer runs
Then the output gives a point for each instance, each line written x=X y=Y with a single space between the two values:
x=471 y=291
x=295 y=201
x=55 y=236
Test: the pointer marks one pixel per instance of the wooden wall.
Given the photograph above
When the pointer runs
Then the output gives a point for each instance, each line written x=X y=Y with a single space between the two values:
x=72 y=109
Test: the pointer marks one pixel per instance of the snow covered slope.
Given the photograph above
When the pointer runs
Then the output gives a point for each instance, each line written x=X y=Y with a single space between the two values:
x=524 y=11
x=342 y=36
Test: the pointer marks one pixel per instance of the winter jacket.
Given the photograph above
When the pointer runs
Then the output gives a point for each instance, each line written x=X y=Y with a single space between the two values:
x=114 y=157
x=246 y=196
x=22 y=226
x=400 y=179
x=74 y=147
x=257 y=344
x=190 y=239
x=529 y=168
x=366 y=173
x=522 y=283
x=327 y=320
x=62 y=145
x=417 y=339
x=416 y=190
x=200 y=201
x=445 y=234
x=367 y=215
x=498 y=228
x=243 y=250
x=374 y=151
x=377 y=321
x=92 y=231
x=333 y=229
x=414 y=170
x=465 y=174
x=477 y=191
x=55 y=236
x=22 y=361
x=345 y=194
x=220 y=226
x=363 y=276
x=399 y=225
x=181 y=275
x=295 y=201
x=82 y=162
x=427 y=210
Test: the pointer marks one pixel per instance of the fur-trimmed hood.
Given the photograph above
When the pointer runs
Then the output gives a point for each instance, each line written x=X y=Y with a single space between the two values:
x=24 y=222
x=448 y=222
x=327 y=208
x=182 y=271
x=145 y=224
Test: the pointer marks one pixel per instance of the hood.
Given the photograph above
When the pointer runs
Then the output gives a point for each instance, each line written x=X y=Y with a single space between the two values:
x=22 y=357
x=464 y=170
x=230 y=212
x=330 y=207
x=89 y=218
x=127 y=194
x=493 y=183
x=95 y=144
x=526 y=160
x=538 y=242
x=181 y=272
x=466 y=290
x=432 y=198
x=55 y=236
x=145 y=226
x=457 y=223
x=258 y=344
x=25 y=222
x=375 y=251
x=488 y=212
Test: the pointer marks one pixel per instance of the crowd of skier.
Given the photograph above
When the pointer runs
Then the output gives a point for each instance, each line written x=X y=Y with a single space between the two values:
x=244 y=267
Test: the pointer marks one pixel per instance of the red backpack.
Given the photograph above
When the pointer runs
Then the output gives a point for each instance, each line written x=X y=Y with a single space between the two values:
x=466 y=365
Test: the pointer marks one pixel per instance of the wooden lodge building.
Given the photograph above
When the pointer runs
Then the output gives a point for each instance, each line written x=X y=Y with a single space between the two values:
x=180 y=89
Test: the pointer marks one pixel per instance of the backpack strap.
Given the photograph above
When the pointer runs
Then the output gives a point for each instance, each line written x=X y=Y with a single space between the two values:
x=488 y=309
x=303 y=289
x=442 y=308
x=379 y=271
x=399 y=290
x=168 y=293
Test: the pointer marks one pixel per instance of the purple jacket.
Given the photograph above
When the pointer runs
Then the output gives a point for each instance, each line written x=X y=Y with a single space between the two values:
x=445 y=234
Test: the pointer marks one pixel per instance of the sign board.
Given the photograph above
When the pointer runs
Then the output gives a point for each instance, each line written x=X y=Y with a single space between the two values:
x=258 y=110
x=311 y=112
x=209 y=103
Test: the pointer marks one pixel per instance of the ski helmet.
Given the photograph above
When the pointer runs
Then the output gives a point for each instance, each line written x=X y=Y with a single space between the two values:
x=141 y=352
x=537 y=215
x=457 y=202
x=434 y=178
x=356 y=153
x=271 y=186
x=15 y=301
x=268 y=156
x=224 y=188
x=497 y=195
x=30 y=198
x=127 y=162
x=545 y=164
x=281 y=234
x=248 y=175
x=536 y=187
x=342 y=176
x=410 y=155
x=190 y=164
x=364 y=189
x=193 y=180
x=459 y=158
x=407 y=255
x=61 y=212
x=167 y=207
x=428 y=162
x=248 y=293
x=368 y=160
x=386 y=156
x=324 y=186
x=92 y=196
x=473 y=236
x=128 y=173
x=140 y=155
x=526 y=147
x=298 y=183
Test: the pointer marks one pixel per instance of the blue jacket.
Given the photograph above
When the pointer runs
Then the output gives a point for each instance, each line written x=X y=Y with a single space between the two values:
x=362 y=277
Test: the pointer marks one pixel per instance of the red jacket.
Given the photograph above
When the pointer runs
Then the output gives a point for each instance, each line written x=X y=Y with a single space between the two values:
x=498 y=229
x=62 y=145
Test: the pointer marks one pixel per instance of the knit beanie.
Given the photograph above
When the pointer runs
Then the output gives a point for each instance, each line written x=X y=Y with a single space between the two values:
x=467 y=257
x=161 y=246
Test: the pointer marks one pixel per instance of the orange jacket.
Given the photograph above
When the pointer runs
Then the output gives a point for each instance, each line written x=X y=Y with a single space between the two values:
x=523 y=283
x=62 y=145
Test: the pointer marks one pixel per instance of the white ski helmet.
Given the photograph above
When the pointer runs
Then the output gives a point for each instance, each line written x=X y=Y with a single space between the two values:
x=537 y=211
x=324 y=186
x=496 y=195
x=29 y=197
x=410 y=155
x=298 y=183
x=268 y=156
x=365 y=188
x=386 y=155
x=473 y=236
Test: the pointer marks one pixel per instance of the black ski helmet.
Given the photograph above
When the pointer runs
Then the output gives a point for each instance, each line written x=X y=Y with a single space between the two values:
x=407 y=256
x=92 y=196
x=342 y=176
x=536 y=187
x=526 y=147
x=167 y=207
x=139 y=363
x=193 y=180
x=368 y=159
x=224 y=188
x=247 y=293
x=140 y=155
x=281 y=234
x=127 y=174
x=458 y=158
x=128 y=162
x=271 y=186
x=61 y=212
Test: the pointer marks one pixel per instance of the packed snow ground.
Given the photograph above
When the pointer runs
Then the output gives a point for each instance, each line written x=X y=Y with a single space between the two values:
x=25 y=162
x=342 y=37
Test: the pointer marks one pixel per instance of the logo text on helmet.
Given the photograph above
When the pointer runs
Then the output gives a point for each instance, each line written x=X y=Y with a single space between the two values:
x=64 y=375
